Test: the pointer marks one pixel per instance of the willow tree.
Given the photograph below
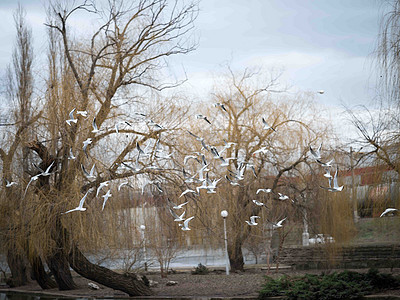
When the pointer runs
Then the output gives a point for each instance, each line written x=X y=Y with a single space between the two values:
x=90 y=82
x=272 y=153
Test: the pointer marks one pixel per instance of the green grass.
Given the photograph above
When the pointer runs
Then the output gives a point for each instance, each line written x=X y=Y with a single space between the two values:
x=342 y=285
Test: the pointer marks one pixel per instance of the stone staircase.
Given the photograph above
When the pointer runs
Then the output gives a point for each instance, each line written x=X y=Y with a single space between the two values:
x=355 y=256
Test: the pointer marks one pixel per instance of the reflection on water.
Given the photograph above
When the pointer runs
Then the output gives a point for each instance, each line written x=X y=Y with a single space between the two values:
x=24 y=296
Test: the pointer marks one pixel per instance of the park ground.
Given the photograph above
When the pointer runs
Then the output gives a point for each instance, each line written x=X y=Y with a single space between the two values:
x=215 y=284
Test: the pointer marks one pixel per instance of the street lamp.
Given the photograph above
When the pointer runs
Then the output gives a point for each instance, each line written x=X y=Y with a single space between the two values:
x=224 y=214
x=142 y=228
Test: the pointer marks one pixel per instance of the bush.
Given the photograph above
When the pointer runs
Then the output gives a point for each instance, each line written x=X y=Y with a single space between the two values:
x=200 y=270
x=343 y=285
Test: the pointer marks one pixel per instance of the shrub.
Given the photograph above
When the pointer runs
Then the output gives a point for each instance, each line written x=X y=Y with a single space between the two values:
x=343 y=285
x=200 y=270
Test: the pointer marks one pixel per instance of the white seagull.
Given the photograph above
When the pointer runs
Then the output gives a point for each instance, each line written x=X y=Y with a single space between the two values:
x=106 y=196
x=264 y=190
x=187 y=191
x=33 y=178
x=86 y=143
x=10 y=184
x=176 y=217
x=71 y=155
x=335 y=187
x=199 y=116
x=102 y=184
x=71 y=118
x=95 y=129
x=252 y=221
x=282 y=197
x=258 y=203
x=266 y=126
x=80 y=206
x=388 y=210
x=185 y=225
x=123 y=184
x=316 y=153
x=83 y=113
x=220 y=105
x=279 y=224
x=89 y=175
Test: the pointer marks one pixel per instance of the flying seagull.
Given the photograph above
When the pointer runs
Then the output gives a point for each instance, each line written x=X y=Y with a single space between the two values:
x=258 y=203
x=316 y=153
x=86 y=143
x=388 y=210
x=279 y=224
x=33 y=178
x=10 y=184
x=221 y=106
x=80 y=206
x=264 y=190
x=185 y=225
x=175 y=215
x=95 y=129
x=102 y=184
x=83 y=113
x=187 y=191
x=266 y=126
x=88 y=175
x=335 y=187
x=71 y=118
x=106 y=196
x=252 y=221
x=199 y=116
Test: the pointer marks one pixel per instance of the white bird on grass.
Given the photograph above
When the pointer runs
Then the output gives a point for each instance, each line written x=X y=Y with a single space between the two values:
x=71 y=118
x=106 y=196
x=252 y=221
x=102 y=184
x=185 y=225
x=80 y=206
x=388 y=210
x=279 y=224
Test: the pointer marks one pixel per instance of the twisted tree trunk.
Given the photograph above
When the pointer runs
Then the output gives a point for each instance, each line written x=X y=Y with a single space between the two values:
x=129 y=284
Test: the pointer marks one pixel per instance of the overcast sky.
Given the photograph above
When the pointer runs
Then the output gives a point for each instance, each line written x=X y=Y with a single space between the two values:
x=320 y=44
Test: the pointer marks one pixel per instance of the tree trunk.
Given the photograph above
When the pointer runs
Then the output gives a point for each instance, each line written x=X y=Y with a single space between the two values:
x=129 y=284
x=59 y=266
x=18 y=268
x=57 y=260
x=236 y=256
x=39 y=273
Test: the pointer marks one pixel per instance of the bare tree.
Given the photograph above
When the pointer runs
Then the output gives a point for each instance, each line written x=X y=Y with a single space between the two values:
x=129 y=48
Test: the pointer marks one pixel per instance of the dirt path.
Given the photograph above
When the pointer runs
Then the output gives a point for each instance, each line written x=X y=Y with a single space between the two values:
x=215 y=284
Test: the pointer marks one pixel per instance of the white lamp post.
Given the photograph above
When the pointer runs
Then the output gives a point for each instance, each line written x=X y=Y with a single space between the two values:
x=142 y=228
x=224 y=214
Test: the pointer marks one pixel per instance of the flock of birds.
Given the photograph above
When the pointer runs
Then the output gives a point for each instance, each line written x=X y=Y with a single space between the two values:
x=201 y=176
